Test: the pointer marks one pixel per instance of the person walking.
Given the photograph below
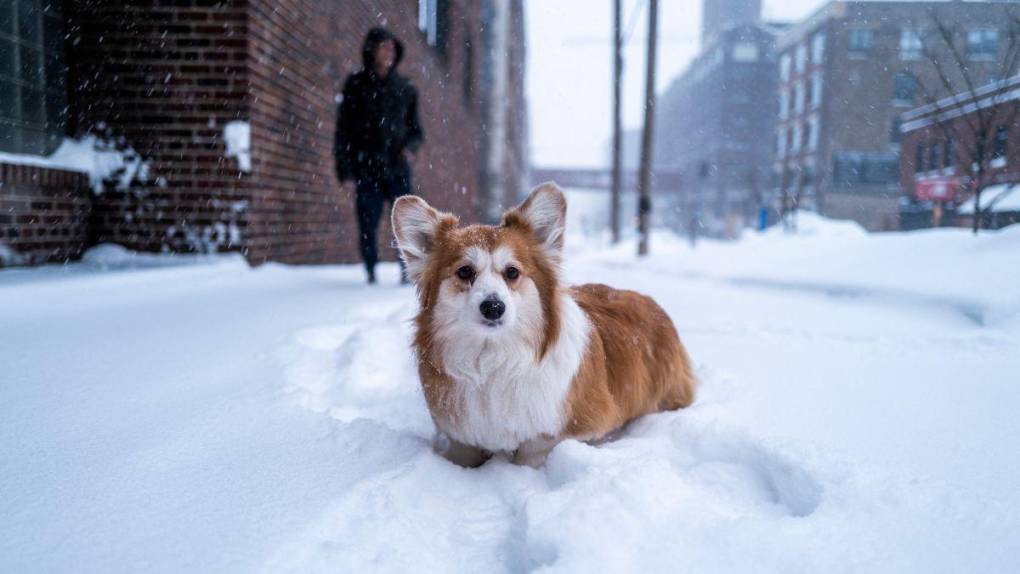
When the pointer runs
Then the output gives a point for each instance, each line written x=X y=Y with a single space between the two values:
x=377 y=137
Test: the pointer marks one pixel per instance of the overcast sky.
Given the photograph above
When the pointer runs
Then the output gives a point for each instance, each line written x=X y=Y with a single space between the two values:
x=569 y=68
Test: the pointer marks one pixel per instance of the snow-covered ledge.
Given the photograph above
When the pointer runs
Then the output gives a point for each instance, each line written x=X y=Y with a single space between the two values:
x=97 y=158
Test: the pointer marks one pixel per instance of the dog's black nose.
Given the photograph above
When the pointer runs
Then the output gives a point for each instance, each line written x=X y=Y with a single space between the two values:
x=492 y=308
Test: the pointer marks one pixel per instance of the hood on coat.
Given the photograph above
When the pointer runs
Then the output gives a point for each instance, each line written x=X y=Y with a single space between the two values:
x=375 y=37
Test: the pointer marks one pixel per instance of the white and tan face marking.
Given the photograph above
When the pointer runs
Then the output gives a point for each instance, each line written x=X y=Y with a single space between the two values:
x=489 y=292
x=487 y=299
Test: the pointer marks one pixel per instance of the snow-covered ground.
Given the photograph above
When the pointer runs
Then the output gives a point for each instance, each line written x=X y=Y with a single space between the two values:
x=858 y=413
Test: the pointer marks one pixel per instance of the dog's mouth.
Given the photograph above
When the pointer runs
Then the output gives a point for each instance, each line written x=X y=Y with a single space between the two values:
x=492 y=324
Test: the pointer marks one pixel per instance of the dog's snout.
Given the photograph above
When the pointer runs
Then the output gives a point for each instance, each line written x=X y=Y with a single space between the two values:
x=492 y=308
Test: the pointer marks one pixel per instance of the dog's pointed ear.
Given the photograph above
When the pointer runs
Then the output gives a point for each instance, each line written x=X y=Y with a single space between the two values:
x=415 y=225
x=545 y=212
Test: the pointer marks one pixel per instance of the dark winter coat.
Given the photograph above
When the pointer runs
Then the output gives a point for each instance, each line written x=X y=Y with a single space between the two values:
x=377 y=119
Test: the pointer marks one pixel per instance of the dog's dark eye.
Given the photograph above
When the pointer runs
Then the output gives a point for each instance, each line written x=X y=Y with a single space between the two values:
x=512 y=273
x=466 y=272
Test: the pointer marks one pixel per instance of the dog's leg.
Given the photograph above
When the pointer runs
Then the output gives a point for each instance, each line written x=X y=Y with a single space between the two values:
x=534 y=452
x=462 y=454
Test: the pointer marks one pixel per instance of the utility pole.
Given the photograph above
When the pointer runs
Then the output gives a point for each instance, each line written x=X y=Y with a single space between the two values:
x=645 y=181
x=614 y=208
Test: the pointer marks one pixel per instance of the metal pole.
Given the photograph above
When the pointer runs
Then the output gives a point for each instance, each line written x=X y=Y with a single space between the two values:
x=644 y=185
x=614 y=208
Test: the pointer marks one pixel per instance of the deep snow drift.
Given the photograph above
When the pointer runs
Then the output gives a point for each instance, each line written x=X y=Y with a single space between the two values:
x=857 y=413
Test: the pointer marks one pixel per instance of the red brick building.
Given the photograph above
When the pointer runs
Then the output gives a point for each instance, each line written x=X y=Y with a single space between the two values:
x=846 y=75
x=944 y=160
x=165 y=77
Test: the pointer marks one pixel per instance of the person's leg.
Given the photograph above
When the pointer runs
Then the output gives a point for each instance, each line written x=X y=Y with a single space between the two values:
x=369 y=206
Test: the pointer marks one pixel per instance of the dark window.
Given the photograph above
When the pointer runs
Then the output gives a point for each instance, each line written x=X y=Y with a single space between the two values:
x=904 y=88
x=32 y=76
x=1001 y=141
x=894 y=133
x=949 y=160
x=919 y=158
x=865 y=168
x=859 y=40
x=935 y=156
x=983 y=43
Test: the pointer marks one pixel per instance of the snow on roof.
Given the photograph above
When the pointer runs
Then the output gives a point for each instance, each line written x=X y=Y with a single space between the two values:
x=1002 y=198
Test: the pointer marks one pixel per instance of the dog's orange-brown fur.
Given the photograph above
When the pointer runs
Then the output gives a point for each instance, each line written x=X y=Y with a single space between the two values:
x=634 y=363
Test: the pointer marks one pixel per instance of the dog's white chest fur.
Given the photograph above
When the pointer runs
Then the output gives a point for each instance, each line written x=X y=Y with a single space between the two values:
x=504 y=395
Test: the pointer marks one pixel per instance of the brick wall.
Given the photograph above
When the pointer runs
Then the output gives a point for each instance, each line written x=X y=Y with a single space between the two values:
x=301 y=54
x=43 y=213
x=165 y=76
x=169 y=78
x=924 y=128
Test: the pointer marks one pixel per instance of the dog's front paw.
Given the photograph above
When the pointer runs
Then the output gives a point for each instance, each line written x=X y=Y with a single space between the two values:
x=534 y=452
x=462 y=454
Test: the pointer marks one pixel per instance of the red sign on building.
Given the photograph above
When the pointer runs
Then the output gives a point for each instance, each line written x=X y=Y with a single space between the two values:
x=937 y=188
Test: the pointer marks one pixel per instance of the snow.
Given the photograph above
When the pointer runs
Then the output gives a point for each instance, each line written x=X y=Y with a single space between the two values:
x=857 y=413
x=1002 y=198
x=9 y=256
x=99 y=158
x=237 y=135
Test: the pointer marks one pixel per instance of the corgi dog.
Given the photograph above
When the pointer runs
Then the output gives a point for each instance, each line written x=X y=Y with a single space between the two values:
x=513 y=361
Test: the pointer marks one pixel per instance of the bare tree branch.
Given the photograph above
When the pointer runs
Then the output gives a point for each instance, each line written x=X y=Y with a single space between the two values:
x=978 y=127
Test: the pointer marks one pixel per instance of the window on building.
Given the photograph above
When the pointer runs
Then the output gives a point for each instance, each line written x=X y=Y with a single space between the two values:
x=745 y=52
x=911 y=44
x=919 y=158
x=894 y=133
x=816 y=91
x=801 y=58
x=781 y=142
x=904 y=89
x=859 y=41
x=432 y=21
x=812 y=133
x=856 y=168
x=784 y=102
x=818 y=48
x=934 y=156
x=798 y=98
x=795 y=140
x=948 y=151
x=784 y=67
x=33 y=77
x=1001 y=145
x=983 y=43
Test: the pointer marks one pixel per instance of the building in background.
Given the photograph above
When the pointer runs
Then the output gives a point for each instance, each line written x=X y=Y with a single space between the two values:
x=717 y=16
x=208 y=126
x=504 y=161
x=938 y=164
x=846 y=75
x=715 y=121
